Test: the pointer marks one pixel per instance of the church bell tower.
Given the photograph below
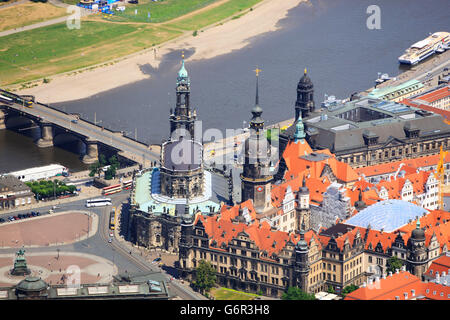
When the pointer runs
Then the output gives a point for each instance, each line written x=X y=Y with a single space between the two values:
x=182 y=118
x=305 y=97
x=256 y=176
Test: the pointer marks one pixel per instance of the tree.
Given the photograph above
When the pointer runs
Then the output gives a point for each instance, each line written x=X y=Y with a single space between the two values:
x=330 y=289
x=95 y=168
x=113 y=162
x=349 y=289
x=393 y=264
x=205 y=276
x=295 y=293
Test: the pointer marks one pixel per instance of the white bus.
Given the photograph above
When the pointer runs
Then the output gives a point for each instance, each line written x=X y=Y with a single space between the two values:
x=100 y=202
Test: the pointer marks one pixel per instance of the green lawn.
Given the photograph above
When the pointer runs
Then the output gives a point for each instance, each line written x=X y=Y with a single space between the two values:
x=160 y=11
x=213 y=15
x=230 y=294
x=40 y=52
x=46 y=51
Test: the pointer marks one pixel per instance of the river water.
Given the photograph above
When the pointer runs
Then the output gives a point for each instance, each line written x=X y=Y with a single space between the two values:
x=328 y=37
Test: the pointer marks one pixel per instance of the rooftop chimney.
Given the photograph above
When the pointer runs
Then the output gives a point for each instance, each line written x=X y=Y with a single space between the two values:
x=390 y=273
x=384 y=276
x=364 y=285
x=403 y=268
x=413 y=292
x=396 y=271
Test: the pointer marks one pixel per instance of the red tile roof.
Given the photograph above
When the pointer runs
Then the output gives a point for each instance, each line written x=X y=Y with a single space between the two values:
x=390 y=288
x=441 y=264
x=413 y=103
x=394 y=288
x=411 y=165
x=369 y=194
x=229 y=213
x=222 y=231
x=296 y=164
x=434 y=291
x=435 y=95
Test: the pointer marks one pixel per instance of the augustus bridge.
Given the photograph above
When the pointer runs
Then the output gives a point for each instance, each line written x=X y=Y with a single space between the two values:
x=59 y=127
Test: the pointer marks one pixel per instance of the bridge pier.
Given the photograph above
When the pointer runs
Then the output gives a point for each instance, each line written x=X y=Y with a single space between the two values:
x=91 y=155
x=46 y=139
x=2 y=119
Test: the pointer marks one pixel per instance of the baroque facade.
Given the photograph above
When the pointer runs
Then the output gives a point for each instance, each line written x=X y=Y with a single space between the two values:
x=256 y=258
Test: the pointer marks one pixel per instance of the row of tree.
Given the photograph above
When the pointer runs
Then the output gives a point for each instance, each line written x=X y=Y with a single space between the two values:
x=47 y=188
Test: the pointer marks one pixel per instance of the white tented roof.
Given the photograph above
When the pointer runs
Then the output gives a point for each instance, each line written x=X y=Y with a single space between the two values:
x=35 y=170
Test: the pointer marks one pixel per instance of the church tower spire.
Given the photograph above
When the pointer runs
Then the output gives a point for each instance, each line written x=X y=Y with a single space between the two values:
x=299 y=130
x=305 y=97
x=256 y=176
x=182 y=118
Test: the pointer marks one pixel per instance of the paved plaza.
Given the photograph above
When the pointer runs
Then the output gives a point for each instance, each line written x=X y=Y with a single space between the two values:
x=48 y=230
x=52 y=266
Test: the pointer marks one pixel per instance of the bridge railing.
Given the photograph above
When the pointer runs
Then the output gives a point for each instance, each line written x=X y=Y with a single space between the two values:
x=93 y=124
x=68 y=114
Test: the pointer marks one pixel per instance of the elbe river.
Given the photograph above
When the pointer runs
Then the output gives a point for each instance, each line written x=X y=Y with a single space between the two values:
x=328 y=37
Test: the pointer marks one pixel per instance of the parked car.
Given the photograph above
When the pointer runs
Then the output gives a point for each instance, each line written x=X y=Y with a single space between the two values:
x=2 y=220
x=29 y=215
x=16 y=218
x=10 y=218
x=33 y=214
x=156 y=260
x=38 y=213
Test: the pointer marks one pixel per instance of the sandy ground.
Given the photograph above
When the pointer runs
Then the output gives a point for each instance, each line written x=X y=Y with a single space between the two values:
x=212 y=42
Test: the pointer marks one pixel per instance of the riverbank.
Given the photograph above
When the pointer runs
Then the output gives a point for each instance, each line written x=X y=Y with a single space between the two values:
x=209 y=42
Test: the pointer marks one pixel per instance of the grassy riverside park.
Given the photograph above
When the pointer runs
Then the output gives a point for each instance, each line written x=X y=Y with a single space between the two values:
x=160 y=11
x=46 y=51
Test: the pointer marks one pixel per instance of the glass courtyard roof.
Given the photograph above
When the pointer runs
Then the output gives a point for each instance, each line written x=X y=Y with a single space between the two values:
x=388 y=215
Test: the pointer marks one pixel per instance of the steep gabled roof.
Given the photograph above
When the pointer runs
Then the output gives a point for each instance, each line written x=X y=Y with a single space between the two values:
x=441 y=264
x=389 y=288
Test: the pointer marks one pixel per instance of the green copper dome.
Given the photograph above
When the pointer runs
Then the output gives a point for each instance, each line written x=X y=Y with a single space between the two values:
x=299 y=130
x=183 y=72
x=32 y=284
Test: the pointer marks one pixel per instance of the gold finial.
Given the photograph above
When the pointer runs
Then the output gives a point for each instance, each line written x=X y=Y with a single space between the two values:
x=182 y=54
x=257 y=70
x=305 y=70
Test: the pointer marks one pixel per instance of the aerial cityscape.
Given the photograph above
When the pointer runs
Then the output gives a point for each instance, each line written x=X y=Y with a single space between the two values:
x=234 y=150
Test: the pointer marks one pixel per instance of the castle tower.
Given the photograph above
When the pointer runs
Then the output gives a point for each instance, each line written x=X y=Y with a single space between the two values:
x=417 y=257
x=303 y=209
x=305 y=97
x=304 y=105
x=182 y=118
x=256 y=177
x=301 y=261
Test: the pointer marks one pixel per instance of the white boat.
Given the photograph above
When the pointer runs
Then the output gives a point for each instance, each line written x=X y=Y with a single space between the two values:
x=425 y=48
x=382 y=78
